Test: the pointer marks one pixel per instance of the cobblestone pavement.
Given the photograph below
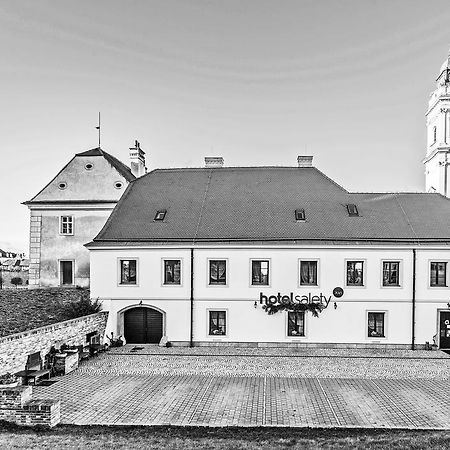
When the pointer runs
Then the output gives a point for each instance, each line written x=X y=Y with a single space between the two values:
x=219 y=390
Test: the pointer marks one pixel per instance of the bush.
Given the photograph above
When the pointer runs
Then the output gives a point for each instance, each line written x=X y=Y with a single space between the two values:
x=16 y=281
x=82 y=307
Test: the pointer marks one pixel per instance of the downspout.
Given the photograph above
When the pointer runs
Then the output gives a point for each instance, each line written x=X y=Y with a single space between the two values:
x=413 y=319
x=191 y=338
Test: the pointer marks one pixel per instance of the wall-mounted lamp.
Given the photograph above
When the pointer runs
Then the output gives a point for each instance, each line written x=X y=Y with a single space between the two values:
x=140 y=303
x=335 y=305
x=255 y=304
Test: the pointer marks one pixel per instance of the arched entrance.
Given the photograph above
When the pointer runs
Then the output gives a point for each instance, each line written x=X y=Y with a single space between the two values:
x=142 y=325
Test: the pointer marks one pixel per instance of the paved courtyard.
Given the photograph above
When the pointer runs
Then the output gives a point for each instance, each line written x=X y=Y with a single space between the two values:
x=257 y=387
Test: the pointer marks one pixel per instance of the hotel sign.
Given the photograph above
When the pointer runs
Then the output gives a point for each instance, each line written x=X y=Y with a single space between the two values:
x=306 y=299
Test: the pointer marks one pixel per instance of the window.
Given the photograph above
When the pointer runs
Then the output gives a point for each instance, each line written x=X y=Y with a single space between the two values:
x=128 y=274
x=296 y=323
x=62 y=185
x=438 y=274
x=352 y=210
x=160 y=215
x=434 y=134
x=375 y=324
x=217 y=323
x=300 y=215
x=260 y=273
x=89 y=166
x=217 y=272
x=172 y=271
x=308 y=273
x=355 y=273
x=391 y=273
x=118 y=185
x=66 y=225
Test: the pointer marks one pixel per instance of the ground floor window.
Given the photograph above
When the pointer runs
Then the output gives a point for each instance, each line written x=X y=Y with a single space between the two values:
x=296 y=323
x=217 y=323
x=375 y=324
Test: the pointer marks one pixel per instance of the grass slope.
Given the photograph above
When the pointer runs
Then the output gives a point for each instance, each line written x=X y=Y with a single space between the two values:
x=72 y=437
x=22 y=309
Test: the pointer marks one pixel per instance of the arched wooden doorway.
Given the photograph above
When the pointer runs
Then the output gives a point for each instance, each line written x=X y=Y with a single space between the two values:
x=143 y=325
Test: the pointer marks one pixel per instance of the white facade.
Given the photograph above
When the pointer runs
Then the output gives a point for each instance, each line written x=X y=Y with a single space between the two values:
x=343 y=321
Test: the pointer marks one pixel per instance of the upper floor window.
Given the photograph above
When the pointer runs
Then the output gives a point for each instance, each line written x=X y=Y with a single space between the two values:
x=66 y=225
x=391 y=273
x=128 y=271
x=217 y=272
x=434 y=134
x=172 y=271
x=438 y=274
x=308 y=273
x=260 y=272
x=355 y=273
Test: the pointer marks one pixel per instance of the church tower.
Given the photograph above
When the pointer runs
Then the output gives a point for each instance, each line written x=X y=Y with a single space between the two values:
x=437 y=159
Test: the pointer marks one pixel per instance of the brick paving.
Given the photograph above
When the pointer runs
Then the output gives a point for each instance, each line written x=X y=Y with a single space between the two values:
x=118 y=388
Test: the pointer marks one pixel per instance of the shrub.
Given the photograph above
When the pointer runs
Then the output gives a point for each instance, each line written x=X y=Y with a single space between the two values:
x=82 y=307
x=16 y=281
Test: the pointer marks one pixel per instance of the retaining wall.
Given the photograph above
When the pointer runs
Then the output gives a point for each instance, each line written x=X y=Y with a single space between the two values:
x=15 y=348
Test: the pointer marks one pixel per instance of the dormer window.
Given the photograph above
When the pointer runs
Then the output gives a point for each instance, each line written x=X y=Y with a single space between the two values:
x=352 y=210
x=160 y=215
x=300 y=215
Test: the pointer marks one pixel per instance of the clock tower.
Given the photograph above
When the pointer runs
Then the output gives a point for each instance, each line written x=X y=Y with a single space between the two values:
x=437 y=159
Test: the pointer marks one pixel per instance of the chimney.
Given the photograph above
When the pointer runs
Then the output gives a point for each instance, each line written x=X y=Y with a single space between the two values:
x=137 y=160
x=304 y=161
x=213 y=162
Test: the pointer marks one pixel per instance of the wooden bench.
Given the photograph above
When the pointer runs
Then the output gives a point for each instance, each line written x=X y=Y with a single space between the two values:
x=33 y=370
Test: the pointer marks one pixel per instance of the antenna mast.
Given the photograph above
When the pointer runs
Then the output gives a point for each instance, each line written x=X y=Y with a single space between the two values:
x=99 y=129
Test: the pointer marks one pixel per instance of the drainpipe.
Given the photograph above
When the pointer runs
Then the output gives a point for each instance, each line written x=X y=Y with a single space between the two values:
x=191 y=339
x=413 y=333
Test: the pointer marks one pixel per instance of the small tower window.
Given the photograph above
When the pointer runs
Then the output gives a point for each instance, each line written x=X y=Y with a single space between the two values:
x=352 y=210
x=300 y=215
x=160 y=215
x=118 y=185
x=89 y=166
x=62 y=185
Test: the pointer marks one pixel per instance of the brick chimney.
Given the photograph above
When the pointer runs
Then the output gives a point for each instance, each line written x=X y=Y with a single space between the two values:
x=304 y=161
x=137 y=160
x=213 y=162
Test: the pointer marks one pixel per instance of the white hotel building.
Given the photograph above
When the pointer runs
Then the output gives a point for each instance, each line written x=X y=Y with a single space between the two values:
x=195 y=254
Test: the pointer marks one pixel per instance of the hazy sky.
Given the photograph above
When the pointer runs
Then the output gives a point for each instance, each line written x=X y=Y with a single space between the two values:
x=257 y=82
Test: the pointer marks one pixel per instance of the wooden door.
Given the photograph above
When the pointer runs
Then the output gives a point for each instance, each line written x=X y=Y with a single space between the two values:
x=444 y=329
x=143 y=326
x=66 y=272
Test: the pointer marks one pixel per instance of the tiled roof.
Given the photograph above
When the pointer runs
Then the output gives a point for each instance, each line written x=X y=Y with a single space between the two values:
x=258 y=204
x=124 y=170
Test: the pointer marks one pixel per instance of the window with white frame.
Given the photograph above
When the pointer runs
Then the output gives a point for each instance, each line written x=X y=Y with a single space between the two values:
x=128 y=271
x=217 y=272
x=375 y=324
x=308 y=273
x=260 y=272
x=217 y=323
x=172 y=271
x=438 y=274
x=391 y=273
x=355 y=273
x=296 y=323
x=66 y=225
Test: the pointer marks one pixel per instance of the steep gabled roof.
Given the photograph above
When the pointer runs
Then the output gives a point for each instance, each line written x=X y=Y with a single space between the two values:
x=259 y=203
x=124 y=170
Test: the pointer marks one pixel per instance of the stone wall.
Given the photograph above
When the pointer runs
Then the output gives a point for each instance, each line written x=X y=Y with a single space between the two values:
x=15 y=348
x=18 y=406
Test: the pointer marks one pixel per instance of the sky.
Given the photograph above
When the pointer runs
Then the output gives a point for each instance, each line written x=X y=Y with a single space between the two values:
x=257 y=82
